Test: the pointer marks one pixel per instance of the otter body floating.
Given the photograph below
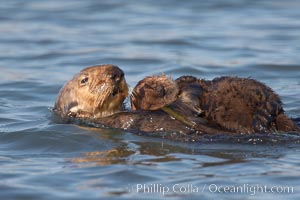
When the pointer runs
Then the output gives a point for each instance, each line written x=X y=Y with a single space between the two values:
x=188 y=106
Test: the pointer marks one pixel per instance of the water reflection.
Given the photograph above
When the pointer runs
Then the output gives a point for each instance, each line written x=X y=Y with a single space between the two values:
x=139 y=150
x=107 y=157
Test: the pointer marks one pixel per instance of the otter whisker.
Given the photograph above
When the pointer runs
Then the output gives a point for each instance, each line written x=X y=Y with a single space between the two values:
x=104 y=90
x=133 y=95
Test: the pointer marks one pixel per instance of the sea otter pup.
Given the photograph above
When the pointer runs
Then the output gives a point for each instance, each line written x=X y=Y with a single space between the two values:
x=162 y=93
x=237 y=105
x=153 y=93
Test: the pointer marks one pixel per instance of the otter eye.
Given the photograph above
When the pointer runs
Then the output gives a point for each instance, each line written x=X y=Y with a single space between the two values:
x=84 y=81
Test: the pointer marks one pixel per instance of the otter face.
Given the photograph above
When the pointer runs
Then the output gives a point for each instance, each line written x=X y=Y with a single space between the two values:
x=153 y=93
x=94 y=92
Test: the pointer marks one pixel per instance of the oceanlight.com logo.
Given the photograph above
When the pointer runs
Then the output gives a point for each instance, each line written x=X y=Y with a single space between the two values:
x=248 y=189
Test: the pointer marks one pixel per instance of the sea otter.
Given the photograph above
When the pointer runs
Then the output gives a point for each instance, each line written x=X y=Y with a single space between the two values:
x=94 y=92
x=237 y=105
x=96 y=95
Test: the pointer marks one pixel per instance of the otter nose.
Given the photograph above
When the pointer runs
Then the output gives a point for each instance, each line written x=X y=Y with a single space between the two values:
x=117 y=76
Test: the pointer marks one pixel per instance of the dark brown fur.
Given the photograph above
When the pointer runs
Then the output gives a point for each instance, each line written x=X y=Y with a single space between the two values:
x=153 y=93
x=239 y=105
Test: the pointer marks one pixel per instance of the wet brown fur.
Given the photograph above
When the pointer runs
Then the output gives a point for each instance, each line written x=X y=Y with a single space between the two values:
x=240 y=105
x=153 y=92
x=94 y=92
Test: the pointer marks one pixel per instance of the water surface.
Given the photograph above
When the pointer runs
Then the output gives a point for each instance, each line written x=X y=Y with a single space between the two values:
x=44 y=43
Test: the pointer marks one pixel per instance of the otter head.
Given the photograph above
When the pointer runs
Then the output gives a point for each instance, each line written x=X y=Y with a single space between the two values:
x=94 y=92
x=160 y=92
x=153 y=93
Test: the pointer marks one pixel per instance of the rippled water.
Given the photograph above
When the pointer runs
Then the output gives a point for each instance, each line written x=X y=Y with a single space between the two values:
x=43 y=43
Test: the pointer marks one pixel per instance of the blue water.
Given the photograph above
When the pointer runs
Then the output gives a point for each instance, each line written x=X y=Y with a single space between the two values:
x=44 y=43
